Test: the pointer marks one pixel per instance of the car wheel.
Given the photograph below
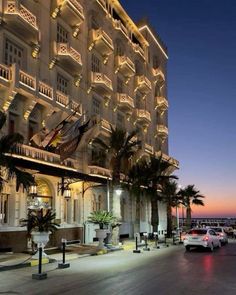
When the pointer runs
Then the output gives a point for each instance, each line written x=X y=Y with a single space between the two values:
x=187 y=248
x=211 y=247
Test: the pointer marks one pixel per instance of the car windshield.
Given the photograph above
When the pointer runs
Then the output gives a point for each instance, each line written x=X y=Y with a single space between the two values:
x=217 y=229
x=197 y=232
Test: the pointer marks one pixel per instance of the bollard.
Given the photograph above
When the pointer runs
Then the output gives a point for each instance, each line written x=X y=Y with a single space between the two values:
x=146 y=244
x=136 y=245
x=155 y=234
x=39 y=275
x=63 y=264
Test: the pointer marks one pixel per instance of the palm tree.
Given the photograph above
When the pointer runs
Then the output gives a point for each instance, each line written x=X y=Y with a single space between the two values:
x=150 y=176
x=190 y=196
x=169 y=196
x=119 y=148
x=8 y=145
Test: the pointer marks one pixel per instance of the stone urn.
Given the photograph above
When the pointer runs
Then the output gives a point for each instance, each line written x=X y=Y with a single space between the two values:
x=41 y=239
x=101 y=235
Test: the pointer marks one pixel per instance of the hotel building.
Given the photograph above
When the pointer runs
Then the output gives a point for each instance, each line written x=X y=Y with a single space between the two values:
x=84 y=58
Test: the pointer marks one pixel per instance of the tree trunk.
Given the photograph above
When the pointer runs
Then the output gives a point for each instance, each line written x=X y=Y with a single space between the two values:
x=154 y=215
x=188 y=217
x=169 y=221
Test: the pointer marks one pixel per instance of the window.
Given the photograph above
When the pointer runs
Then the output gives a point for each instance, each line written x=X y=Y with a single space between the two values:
x=156 y=62
x=13 y=54
x=62 y=84
x=4 y=208
x=119 y=49
x=62 y=34
x=96 y=106
x=12 y=123
x=76 y=210
x=95 y=64
x=96 y=203
x=119 y=85
x=120 y=121
x=32 y=129
x=94 y=23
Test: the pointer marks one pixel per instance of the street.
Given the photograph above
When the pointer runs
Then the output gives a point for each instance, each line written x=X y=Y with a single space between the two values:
x=161 y=271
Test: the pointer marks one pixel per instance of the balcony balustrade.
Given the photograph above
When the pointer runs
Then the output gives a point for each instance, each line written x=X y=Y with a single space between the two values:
x=166 y=158
x=70 y=11
x=162 y=132
x=45 y=90
x=62 y=99
x=101 y=84
x=148 y=148
x=142 y=84
x=125 y=103
x=102 y=42
x=102 y=3
x=143 y=117
x=5 y=74
x=161 y=104
x=42 y=156
x=125 y=66
x=99 y=171
x=138 y=49
x=69 y=58
x=158 y=76
x=18 y=81
x=102 y=127
x=21 y=20
x=118 y=25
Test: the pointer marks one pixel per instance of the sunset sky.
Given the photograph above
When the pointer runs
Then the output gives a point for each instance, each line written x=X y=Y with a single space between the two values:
x=201 y=40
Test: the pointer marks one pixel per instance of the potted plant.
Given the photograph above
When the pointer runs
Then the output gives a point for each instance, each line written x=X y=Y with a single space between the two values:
x=40 y=226
x=103 y=219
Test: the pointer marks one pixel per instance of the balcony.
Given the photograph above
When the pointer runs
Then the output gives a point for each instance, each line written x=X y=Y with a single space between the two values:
x=5 y=76
x=125 y=66
x=162 y=132
x=174 y=163
x=101 y=84
x=118 y=25
x=70 y=11
x=138 y=49
x=102 y=3
x=99 y=171
x=142 y=84
x=161 y=104
x=102 y=127
x=62 y=99
x=43 y=157
x=22 y=21
x=69 y=58
x=143 y=117
x=125 y=103
x=45 y=91
x=158 y=76
x=148 y=148
x=102 y=42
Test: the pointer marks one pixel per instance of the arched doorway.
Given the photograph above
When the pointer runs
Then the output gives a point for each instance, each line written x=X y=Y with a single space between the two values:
x=44 y=197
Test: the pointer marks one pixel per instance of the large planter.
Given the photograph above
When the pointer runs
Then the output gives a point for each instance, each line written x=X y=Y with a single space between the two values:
x=41 y=239
x=101 y=235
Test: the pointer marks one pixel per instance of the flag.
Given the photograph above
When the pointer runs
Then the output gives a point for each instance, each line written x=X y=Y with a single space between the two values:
x=51 y=121
x=38 y=137
x=67 y=148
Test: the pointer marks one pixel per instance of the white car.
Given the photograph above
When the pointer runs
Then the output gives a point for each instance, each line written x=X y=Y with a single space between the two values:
x=221 y=233
x=202 y=237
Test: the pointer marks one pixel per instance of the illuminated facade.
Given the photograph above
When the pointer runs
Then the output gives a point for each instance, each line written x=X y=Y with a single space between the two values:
x=87 y=56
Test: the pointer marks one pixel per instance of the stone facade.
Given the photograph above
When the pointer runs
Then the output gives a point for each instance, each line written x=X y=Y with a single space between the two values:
x=87 y=56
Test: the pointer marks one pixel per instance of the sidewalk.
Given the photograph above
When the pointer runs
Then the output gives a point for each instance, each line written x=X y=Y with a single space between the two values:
x=11 y=260
x=18 y=260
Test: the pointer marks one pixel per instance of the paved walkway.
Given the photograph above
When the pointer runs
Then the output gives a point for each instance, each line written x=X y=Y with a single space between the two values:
x=17 y=260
